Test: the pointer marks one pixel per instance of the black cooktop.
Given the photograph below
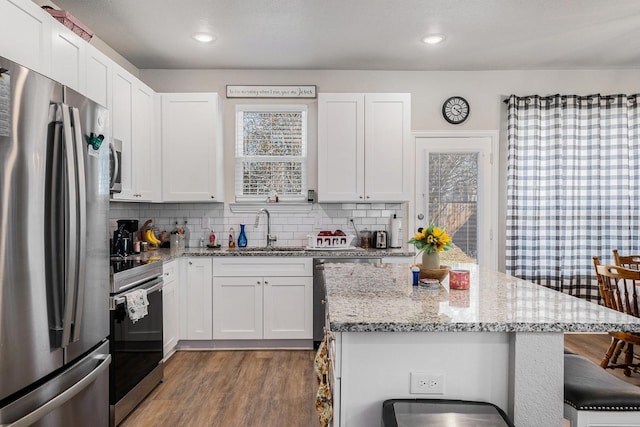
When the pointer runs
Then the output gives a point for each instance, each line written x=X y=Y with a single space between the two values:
x=119 y=264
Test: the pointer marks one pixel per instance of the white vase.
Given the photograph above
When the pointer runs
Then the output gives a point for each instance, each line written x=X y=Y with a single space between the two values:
x=430 y=261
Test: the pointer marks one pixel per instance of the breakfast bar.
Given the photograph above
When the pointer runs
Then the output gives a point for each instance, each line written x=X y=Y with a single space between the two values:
x=501 y=341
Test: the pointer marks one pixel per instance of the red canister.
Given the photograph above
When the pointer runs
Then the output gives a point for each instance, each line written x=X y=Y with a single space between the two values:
x=459 y=279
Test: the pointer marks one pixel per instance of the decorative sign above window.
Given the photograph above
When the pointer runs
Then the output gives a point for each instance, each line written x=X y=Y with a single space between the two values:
x=280 y=91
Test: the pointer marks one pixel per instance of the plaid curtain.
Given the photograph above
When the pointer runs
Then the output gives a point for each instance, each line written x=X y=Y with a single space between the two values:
x=573 y=187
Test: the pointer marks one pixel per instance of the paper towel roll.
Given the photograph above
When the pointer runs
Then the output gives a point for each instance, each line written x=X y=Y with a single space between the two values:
x=396 y=229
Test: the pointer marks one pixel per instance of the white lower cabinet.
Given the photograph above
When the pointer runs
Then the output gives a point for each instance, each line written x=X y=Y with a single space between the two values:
x=262 y=298
x=170 y=308
x=195 y=297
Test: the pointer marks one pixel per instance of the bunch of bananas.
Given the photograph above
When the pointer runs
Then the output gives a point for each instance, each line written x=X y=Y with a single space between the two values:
x=150 y=237
x=147 y=234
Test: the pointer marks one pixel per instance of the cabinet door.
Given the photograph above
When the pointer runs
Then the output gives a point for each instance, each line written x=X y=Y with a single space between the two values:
x=387 y=139
x=198 y=316
x=68 y=57
x=25 y=34
x=191 y=147
x=98 y=75
x=122 y=129
x=169 y=318
x=145 y=147
x=237 y=307
x=341 y=146
x=288 y=308
x=170 y=303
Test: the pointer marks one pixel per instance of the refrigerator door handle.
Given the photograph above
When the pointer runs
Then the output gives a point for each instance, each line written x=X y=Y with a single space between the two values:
x=71 y=226
x=81 y=236
x=63 y=397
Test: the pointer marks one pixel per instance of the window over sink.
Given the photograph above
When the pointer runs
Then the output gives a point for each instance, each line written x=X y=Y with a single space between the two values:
x=271 y=152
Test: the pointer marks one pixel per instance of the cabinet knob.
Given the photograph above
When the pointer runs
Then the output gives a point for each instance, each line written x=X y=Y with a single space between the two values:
x=190 y=262
x=368 y=197
x=361 y=197
x=266 y=283
x=258 y=283
x=213 y=197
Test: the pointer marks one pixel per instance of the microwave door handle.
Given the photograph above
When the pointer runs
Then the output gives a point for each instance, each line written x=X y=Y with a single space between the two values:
x=71 y=223
x=81 y=236
x=116 y=163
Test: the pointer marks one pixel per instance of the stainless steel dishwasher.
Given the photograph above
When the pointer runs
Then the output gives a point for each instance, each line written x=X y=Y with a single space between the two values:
x=320 y=291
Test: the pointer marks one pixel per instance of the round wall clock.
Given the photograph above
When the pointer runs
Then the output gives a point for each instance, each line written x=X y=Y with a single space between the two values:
x=455 y=110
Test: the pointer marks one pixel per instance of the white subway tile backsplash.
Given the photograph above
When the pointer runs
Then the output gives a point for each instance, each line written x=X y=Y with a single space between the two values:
x=290 y=228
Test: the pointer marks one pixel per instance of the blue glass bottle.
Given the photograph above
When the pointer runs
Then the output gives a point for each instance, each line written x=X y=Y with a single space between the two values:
x=242 y=238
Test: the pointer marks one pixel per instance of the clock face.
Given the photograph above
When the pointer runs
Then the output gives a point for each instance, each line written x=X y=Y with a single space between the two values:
x=455 y=110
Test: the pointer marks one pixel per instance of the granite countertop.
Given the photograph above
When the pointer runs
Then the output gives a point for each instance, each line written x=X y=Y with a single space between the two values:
x=381 y=298
x=165 y=254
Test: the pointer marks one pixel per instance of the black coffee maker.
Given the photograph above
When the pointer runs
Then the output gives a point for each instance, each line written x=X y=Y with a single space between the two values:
x=123 y=237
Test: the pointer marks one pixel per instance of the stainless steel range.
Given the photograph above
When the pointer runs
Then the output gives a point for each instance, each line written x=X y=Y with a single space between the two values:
x=136 y=347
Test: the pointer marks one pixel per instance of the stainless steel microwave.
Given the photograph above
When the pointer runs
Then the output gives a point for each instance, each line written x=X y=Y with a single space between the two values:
x=115 y=169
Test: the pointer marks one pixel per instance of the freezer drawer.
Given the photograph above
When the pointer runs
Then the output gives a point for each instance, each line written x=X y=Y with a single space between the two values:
x=77 y=396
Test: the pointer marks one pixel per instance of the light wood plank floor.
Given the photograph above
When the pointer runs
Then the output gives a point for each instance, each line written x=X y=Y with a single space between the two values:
x=232 y=389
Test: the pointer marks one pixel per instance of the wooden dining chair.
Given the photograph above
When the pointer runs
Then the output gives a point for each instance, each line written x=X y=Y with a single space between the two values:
x=619 y=292
x=626 y=261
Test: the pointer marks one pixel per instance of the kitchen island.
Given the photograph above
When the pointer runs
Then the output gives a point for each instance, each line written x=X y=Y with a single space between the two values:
x=501 y=341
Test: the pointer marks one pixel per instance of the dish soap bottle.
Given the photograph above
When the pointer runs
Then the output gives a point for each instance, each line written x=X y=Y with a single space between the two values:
x=242 y=238
x=212 y=238
x=232 y=239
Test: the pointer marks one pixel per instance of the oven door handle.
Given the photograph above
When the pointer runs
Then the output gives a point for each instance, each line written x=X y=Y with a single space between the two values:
x=154 y=286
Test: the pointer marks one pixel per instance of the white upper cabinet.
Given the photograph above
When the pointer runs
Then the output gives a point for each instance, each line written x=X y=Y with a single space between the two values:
x=68 y=64
x=99 y=70
x=364 y=147
x=192 y=147
x=146 y=146
x=122 y=128
x=25 y=34
x=132 y=119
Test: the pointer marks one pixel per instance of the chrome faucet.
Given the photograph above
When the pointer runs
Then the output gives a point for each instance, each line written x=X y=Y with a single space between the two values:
x=270 y=238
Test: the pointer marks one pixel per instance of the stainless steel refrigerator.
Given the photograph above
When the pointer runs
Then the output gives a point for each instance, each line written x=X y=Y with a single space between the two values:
x=54 y=255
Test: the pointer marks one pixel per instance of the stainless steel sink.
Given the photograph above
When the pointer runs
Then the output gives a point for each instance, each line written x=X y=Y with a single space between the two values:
x=272 y=249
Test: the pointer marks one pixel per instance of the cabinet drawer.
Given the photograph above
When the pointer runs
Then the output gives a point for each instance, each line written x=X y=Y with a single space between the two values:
x=263 y=266
x=170 y=271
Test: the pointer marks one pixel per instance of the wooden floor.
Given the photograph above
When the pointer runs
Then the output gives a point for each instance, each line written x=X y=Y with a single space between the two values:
x=593 y=347
x=233 y=388
x=263 y=388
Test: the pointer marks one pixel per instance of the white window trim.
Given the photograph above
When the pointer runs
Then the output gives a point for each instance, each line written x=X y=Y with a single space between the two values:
x=240 y=110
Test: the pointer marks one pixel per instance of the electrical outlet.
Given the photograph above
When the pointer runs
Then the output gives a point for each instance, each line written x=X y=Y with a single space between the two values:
x=427 y=383
x=206 y=224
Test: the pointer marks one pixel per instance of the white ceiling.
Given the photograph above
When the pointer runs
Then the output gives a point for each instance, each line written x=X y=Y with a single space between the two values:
x=368 y=34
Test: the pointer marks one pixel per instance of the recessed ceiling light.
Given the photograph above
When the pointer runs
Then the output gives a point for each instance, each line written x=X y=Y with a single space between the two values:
x=433 y=39
x=203 y=37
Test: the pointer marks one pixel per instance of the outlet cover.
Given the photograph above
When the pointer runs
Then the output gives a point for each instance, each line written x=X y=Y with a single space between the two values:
x=427 y=383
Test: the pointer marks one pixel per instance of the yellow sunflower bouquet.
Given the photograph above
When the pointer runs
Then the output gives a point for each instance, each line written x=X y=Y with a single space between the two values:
x=431 y=239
